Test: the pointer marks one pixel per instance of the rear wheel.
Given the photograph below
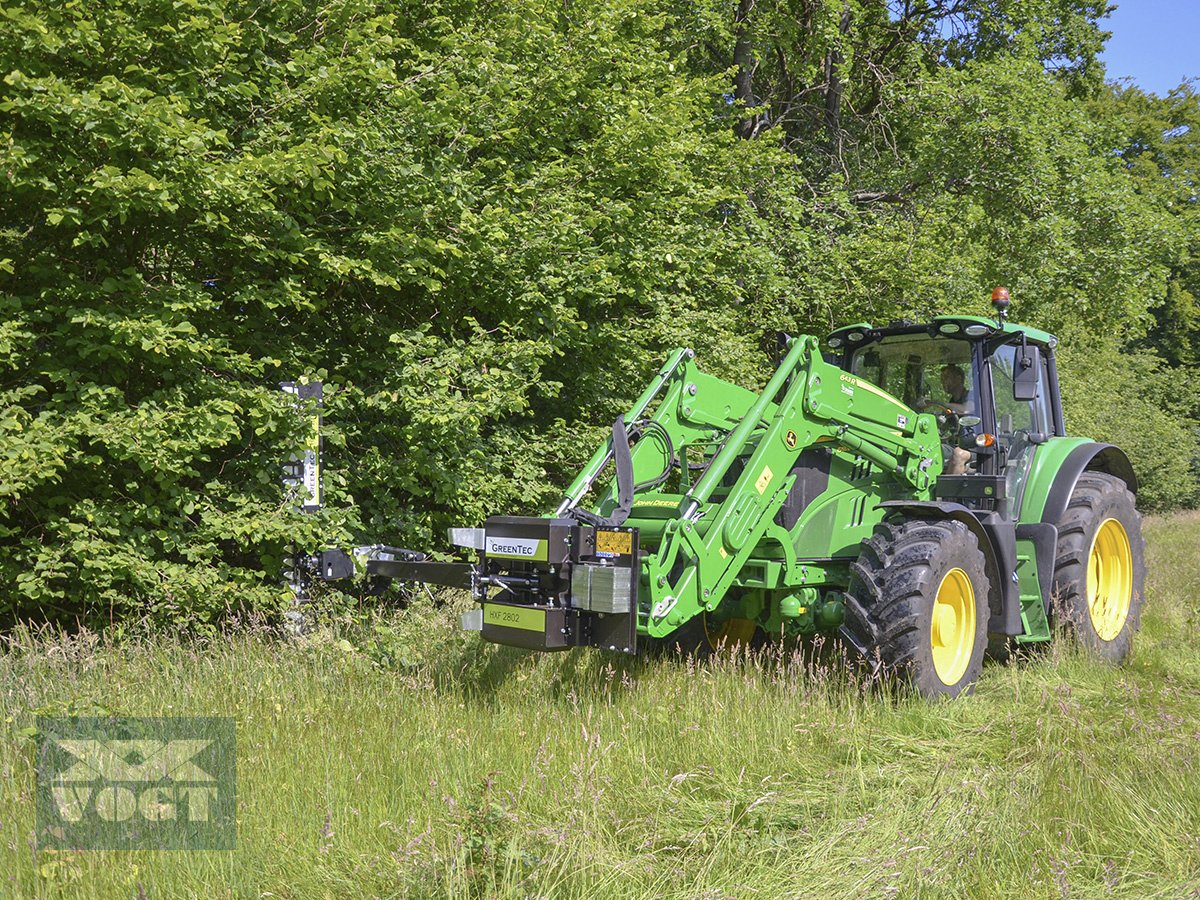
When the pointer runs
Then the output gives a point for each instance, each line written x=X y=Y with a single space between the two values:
x=918 y=601
x=1099 y=570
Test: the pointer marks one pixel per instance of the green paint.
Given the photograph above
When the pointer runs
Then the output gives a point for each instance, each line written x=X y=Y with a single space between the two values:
x=1047 y=460
x=1033 y=605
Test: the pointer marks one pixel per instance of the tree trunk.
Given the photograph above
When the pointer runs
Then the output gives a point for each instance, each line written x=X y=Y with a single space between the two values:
x=834 y=89
x=743 y=58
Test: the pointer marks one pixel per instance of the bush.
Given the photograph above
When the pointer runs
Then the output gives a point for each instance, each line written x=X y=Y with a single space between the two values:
x=1132 y=399
x=474 y=229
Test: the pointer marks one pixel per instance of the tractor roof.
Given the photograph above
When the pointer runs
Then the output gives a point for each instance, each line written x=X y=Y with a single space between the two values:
x=968 y=327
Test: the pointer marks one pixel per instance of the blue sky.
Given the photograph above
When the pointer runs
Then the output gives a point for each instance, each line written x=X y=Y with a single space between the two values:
x=1156 y=42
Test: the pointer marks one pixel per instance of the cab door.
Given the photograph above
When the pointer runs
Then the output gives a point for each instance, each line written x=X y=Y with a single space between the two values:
x=1021 y=412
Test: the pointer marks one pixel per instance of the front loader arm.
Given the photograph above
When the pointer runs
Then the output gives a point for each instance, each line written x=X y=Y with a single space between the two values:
x=654 y=548
x=691 y=409
x=806 y=402
x=670 y=379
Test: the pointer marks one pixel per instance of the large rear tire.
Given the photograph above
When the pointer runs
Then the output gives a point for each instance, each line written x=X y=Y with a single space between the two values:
x=1099 y=567
x=918 y=600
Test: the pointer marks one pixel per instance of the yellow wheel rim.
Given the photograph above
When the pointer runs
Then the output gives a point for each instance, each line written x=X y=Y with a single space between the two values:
x=1109 y=579
x=730 y=632
x=952 y=631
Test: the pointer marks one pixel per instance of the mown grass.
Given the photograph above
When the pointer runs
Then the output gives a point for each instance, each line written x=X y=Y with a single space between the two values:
x=410 y=760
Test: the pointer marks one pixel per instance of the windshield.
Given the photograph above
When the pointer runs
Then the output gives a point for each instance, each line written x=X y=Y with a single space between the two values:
x=922 y=371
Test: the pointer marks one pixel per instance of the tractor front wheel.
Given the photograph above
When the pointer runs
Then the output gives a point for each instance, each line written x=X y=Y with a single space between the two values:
x=1099 y=569
x=918 y=600
x=707 y=634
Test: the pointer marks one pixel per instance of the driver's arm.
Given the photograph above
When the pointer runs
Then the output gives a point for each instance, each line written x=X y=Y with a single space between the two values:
x=957 y=461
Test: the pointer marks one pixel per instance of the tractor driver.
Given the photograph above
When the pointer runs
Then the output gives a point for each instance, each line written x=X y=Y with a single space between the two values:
x=958 y=395
x=960 y=401
x=954 y=383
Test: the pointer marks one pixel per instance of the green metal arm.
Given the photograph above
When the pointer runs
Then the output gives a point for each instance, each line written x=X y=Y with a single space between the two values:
x=713 y=528
x=820 y=403
x=604 y=453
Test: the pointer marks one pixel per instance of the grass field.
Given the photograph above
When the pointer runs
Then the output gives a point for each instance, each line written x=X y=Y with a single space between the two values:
x=410 y=760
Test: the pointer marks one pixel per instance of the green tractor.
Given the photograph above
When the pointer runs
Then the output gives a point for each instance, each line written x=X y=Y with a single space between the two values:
x=911 y=489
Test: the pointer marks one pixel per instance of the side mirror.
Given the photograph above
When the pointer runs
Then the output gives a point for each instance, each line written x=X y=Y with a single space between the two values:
x=1027 y=367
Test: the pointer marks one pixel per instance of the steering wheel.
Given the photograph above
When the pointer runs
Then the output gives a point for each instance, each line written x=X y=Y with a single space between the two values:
x=925 y=404
x=947 y=418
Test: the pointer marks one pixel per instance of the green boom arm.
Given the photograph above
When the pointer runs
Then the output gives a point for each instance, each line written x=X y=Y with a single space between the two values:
x=716 y=527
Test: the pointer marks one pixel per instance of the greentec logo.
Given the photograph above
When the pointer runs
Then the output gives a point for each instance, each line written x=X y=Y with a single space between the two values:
x=148 y=783
x=516 y=547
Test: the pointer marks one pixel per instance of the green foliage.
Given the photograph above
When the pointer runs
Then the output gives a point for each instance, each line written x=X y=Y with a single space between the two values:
x=1132 y=399
x=1161 y=151
x=483 y=227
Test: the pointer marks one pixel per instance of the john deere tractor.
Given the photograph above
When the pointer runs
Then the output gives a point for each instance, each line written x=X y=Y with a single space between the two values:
x=910 y=488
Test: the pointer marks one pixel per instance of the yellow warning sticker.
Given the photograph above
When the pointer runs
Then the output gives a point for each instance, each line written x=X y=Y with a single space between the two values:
x=764 y=479
x=618 y=543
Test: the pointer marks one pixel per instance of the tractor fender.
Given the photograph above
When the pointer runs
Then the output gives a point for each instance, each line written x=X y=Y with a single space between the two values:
x=997 y=540
x=1092 y=456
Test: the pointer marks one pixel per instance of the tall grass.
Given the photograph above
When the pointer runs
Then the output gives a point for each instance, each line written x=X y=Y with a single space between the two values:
x=408 y=759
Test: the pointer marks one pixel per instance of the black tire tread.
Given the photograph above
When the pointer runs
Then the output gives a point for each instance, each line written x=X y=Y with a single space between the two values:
x=1095 y=494
x=890 y=596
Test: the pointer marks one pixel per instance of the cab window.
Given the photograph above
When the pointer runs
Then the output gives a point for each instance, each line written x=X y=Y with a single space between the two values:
x=925 y=373
x=1017 y=417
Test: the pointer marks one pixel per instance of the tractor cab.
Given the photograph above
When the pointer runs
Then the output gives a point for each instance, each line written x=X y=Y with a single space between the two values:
x=993 y=387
